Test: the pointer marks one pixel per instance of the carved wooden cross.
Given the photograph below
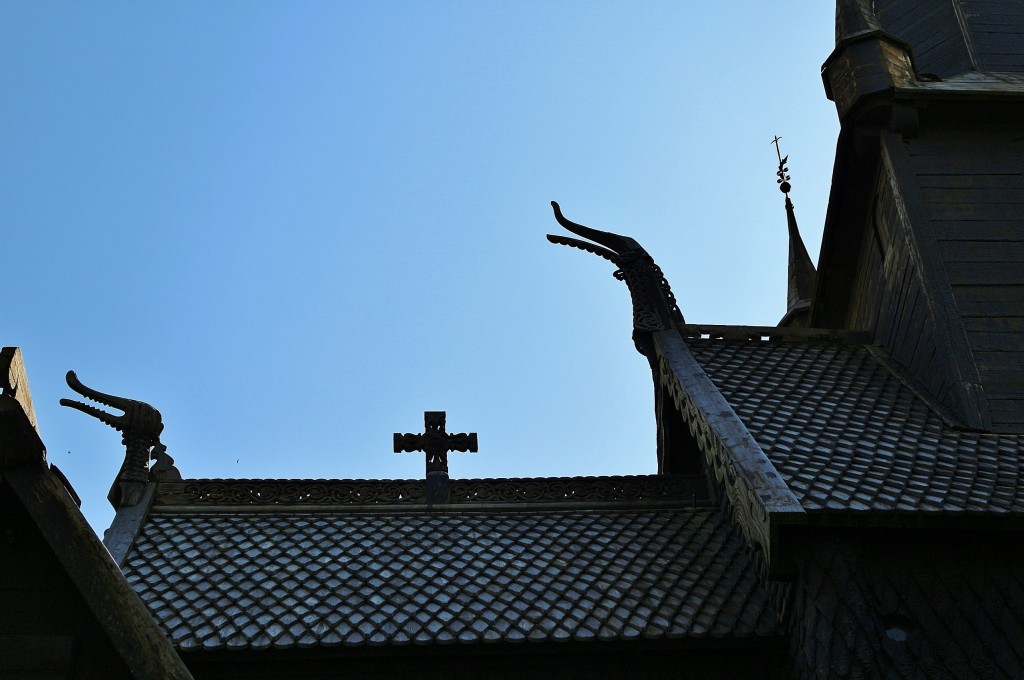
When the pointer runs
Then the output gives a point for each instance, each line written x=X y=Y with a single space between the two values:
x=435 y=442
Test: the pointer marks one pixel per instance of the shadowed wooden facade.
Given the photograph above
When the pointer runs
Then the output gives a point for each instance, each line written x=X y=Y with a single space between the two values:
x=924 y=240
x=923 y=250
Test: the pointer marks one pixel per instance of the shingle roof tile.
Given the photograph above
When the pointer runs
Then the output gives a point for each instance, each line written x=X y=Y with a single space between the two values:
x=847 y=434
x=287 y=579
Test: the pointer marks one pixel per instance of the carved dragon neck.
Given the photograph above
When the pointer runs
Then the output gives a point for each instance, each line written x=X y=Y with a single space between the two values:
x=140 y=427
x=654 y=305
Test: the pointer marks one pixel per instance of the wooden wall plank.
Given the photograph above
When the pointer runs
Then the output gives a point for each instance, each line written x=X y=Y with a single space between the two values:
x=940 y=269
x=987 y=308
x=1004 y=360
x=932 y=28
x=960 y=180
x=973 y=212
x=997 y=32
x=1004 y=62
x=992 y=340
x=961 y=194
x=990 y=7
x=984 y=273
x=1006 y=382
x=891 y=301
x=1009 y=326
x=985 y=251
x=980 y=230
x=1006 y=413
x=899 y=16
x=1012 y=296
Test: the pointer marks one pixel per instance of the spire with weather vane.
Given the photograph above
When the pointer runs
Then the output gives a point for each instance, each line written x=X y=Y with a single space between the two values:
x=801 y=269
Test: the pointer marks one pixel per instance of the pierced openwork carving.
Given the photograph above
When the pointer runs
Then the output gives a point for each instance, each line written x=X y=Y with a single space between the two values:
x=750 y=513
x=576 y=489
x=640 y=488
x=435 y=442
x=290 y=492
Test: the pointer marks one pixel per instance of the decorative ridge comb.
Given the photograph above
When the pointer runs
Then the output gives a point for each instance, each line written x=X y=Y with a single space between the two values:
x=140 y=427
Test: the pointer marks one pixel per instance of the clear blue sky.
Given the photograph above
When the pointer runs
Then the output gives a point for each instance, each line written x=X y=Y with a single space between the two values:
x=294 y=226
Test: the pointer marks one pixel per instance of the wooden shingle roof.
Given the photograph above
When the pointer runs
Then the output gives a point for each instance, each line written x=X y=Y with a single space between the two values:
x=848 y=434
x=247 y=576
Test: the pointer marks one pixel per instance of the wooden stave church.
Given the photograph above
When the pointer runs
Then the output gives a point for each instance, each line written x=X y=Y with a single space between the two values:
x=838 y=496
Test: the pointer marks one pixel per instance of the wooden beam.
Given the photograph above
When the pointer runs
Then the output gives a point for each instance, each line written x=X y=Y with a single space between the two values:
x=125 y=620
x=761 y=501
x=19 y=433
x=14 y=381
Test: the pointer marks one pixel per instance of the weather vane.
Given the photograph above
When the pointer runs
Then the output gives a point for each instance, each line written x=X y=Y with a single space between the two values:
x=783 y=172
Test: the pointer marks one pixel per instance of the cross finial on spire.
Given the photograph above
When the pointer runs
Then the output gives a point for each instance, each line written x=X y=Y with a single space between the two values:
x=783 y=172
x=801 y=269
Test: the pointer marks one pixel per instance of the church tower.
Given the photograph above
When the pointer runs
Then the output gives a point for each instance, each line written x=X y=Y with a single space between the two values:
x=924 y=239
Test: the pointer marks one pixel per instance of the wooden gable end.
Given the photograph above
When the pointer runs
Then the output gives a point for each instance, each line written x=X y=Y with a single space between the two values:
x=47 y=630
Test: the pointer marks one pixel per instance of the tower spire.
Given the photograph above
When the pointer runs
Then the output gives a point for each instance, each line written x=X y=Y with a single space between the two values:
x=801 y=269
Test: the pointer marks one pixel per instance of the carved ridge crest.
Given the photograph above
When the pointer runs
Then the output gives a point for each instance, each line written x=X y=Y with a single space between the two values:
x=260 y=492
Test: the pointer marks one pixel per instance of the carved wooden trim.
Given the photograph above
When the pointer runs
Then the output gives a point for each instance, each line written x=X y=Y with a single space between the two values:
x=290 y=492
x=370 y=492
x=578 y=489
x=759 y=498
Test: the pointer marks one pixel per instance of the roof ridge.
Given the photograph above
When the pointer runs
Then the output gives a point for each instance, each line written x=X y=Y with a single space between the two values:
x=412 y=479
x=206 y=494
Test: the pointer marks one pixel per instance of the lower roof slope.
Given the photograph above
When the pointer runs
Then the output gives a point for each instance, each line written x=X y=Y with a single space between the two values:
x=847 y=433
x=292 y=579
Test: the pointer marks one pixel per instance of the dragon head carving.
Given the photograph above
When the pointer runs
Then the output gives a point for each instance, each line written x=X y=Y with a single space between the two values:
x=654 y=305
x=139 y=419
x=140 y=426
